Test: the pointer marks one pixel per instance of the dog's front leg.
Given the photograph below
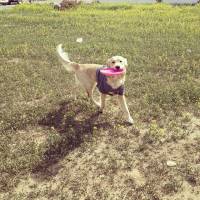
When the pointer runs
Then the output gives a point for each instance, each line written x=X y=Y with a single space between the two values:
x=124 y=107
x=90 y=95
x=103 y=102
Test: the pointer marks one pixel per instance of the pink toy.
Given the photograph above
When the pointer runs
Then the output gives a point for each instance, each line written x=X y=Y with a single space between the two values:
x=112 y=71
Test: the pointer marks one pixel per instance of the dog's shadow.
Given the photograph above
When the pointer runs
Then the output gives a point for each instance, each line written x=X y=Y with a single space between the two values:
x=72 y=133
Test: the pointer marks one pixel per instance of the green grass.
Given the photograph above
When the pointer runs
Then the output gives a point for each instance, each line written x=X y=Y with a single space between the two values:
x=73 y=151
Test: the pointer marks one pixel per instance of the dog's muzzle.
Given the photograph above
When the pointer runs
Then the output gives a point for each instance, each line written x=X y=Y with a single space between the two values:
x=117 y=67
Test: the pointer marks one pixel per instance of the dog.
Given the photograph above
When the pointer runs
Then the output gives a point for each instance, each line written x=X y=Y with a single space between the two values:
x=90 y=77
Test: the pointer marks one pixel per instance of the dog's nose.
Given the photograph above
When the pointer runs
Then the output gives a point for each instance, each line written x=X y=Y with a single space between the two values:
x=117 y=67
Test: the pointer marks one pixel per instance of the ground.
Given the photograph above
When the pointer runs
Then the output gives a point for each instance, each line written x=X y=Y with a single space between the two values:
x=53 y=147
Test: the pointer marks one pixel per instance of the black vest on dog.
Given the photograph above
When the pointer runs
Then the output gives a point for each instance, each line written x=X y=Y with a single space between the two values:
x=103 y=86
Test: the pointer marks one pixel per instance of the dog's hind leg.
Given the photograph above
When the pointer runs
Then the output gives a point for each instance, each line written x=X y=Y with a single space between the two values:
x=75 y=88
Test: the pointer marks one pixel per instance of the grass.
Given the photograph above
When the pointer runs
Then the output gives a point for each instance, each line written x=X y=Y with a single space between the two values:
x=52 y=147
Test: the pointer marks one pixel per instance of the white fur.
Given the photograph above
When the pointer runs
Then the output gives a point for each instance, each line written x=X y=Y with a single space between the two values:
x=64 y=58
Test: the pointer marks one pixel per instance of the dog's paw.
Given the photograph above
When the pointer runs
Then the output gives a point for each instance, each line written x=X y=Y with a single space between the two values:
x=100 y=110
x=98 y=104
x=130 y=121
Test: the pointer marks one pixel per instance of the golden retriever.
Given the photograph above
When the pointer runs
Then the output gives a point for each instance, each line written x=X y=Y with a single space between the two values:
x=89 y=76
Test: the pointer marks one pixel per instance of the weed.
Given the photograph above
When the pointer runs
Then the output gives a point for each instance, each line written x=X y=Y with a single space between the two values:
x=73 y=151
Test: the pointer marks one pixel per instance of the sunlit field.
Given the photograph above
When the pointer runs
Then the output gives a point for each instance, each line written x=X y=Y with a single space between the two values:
x=53 y=147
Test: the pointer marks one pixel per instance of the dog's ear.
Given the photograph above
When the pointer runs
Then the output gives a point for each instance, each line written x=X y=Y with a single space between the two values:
x=109 y=62
x=125 y=62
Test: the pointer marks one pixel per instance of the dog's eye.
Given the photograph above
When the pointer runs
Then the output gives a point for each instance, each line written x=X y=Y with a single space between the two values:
x=113 y=62
x=120 y=61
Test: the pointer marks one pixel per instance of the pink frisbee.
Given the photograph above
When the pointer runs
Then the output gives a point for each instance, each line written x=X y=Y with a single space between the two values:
x=112 y=71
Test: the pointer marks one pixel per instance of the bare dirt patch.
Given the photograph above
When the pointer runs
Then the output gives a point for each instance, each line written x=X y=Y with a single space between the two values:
x=90 y=158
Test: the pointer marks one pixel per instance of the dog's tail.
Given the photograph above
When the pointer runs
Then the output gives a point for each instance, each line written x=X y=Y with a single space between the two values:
x=68 y=65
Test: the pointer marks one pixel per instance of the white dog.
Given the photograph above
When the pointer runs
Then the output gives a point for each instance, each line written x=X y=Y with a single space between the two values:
x=89 y=76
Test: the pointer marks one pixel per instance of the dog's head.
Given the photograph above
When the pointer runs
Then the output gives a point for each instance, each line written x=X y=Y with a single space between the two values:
x=117 y=62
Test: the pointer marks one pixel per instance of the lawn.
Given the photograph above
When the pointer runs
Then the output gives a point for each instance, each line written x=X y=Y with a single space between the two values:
x=53 y=147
